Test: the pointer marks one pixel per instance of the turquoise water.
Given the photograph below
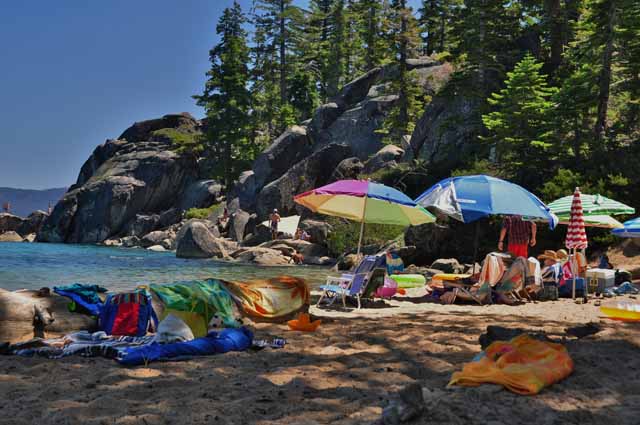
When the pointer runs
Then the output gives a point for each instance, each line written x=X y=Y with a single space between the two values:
x=34 y=265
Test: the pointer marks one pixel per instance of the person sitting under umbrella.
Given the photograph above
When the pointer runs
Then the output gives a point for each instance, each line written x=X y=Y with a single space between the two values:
x=521 y=234
x=552 y=269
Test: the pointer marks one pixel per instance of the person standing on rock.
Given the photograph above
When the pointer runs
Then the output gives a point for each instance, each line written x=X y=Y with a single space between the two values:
x=274 y=219
x=520 y=233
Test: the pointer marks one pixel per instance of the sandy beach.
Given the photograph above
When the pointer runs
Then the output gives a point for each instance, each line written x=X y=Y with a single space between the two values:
x=344 y=373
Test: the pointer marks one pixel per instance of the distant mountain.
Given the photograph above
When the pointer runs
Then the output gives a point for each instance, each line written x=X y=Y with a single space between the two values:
x=25 y=201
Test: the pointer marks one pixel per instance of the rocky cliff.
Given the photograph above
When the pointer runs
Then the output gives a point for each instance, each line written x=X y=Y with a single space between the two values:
x=341 y=132
x=131 y=185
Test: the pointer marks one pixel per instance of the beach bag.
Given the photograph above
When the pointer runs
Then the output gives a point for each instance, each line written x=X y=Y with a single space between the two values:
x=127 y=314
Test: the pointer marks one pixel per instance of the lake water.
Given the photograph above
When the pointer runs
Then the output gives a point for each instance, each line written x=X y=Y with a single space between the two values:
x=34 y=265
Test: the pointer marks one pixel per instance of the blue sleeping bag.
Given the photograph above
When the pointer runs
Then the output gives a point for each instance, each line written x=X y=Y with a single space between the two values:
x=214 y=343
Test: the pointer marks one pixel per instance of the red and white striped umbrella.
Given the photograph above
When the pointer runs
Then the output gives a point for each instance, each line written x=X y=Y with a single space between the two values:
x=576 y=235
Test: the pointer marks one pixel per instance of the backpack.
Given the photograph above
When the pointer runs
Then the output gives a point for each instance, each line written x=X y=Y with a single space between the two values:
x=127 y=314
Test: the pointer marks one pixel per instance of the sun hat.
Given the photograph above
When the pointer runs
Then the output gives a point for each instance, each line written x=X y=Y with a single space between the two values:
x=562 y=255
x=548 y=255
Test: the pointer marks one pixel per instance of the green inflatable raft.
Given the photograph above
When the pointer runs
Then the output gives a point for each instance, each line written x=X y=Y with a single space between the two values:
x=409 y=280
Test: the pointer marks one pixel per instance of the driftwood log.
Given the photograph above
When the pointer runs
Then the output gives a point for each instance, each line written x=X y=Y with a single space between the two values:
x=27 y=314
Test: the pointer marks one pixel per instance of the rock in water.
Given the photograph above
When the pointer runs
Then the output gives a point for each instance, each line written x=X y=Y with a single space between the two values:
x=138 y=174
x=196 y=241
x=33 y=223
x=10 y=236
x=262 y=256
x=10 y=222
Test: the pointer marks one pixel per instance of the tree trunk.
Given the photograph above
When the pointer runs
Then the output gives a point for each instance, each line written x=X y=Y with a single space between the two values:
x=442 y=31
x=283 y=54
x=605 y=76
x=370 y=39
x=556 y=36
x=403 y=114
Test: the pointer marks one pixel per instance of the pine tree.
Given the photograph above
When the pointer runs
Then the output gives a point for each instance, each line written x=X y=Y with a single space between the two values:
x=485 y=32
x=411 y=98
x=226 y=98
x=629 y=63
x=520 y=127
x=276 y=24
x=434 y=20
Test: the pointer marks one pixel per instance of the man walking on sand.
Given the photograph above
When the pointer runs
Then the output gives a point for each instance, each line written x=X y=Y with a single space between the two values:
x=520 y=233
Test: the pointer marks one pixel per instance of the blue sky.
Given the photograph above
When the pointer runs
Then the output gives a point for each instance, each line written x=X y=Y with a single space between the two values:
x=74 y=73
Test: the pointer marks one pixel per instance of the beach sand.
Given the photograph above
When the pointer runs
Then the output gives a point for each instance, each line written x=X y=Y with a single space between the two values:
x=342 y=374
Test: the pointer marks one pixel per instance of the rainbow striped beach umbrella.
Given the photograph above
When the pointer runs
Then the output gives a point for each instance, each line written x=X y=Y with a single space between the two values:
x=366 y=202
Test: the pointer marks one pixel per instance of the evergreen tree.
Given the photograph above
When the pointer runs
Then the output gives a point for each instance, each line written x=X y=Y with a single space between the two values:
x=434 y=19
x=226 y=98
x=277 y=25
x=485 y=32
x=520 y=126
x=411 y=98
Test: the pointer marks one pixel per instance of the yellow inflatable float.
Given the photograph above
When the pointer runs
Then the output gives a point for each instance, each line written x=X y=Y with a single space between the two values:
x=622 y=310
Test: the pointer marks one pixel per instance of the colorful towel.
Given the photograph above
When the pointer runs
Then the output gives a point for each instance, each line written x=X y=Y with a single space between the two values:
x=196 y=303
x=270 y=298
x=523 y=365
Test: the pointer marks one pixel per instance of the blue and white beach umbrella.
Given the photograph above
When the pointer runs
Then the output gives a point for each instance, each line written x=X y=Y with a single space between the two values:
x=629 y=229
x=469 y=198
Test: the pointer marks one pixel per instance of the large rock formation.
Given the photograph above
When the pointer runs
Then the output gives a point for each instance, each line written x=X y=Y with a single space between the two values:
x=351 y=119
x=305 y=175
x=128 y=183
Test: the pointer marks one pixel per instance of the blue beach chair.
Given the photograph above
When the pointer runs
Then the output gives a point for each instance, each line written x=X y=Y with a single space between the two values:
x=354 y=285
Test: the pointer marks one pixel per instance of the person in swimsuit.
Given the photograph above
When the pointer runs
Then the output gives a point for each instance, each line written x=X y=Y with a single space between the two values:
x=274 y=219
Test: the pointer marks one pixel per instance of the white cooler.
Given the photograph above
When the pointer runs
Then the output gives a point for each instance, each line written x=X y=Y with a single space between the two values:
x=600 y=279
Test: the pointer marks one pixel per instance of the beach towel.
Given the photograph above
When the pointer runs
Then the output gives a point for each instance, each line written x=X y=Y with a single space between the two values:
x=214 y=343
x=535 y=271
x=523 y=365
x=196 y=302
x=273 y=298
x=492 y=270
x=81 y=343
x=127 y=314
x=84 y=295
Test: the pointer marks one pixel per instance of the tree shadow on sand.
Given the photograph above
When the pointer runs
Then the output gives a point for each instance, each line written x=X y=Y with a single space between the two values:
x=342 y=373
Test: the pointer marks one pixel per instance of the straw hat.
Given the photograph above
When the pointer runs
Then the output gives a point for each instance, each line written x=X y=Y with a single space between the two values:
x=562 y=255
x=548 y=255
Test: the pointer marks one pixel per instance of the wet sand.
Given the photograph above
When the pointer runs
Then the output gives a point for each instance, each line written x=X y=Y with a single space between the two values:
x=342 y=374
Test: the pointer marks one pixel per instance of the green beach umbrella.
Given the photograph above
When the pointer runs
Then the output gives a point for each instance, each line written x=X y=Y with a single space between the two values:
x=603 y=221
x=592 y=205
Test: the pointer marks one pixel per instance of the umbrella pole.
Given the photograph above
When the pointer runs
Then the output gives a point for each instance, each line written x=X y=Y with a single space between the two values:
x=361 y=235
x=364 y=215
x=475 y=248
x=573 y=272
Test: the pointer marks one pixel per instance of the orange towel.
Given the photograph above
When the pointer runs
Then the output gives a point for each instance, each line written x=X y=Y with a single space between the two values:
x=523 y=365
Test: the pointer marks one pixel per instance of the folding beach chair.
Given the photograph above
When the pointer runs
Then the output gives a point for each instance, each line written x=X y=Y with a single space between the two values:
x=359 y=284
